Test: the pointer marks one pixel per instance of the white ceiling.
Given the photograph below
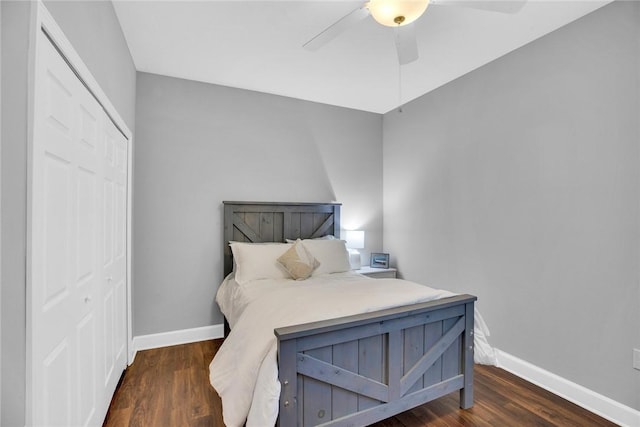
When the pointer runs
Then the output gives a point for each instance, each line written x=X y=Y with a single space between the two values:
x=257 y=45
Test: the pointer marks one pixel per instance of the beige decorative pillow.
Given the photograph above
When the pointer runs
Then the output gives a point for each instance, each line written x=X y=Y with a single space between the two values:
x=298 y=261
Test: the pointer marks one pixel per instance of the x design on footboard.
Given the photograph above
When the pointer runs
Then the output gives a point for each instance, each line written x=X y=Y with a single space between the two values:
x=361 y=369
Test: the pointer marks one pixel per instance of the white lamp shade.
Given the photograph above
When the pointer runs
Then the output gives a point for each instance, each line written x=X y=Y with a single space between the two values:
x=355 y=239
x=394 y=13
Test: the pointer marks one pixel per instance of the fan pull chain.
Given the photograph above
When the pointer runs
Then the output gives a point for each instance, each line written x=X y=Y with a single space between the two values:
x=399 y=75
x=399 y=88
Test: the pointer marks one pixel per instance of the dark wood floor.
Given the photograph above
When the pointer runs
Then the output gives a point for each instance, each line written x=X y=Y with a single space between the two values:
x=170 y=387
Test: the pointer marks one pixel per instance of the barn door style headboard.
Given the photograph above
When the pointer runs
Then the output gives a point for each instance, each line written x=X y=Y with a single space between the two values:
x=259 y=222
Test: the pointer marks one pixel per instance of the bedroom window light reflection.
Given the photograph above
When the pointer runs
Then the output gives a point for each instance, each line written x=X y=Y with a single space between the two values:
x=355 y=241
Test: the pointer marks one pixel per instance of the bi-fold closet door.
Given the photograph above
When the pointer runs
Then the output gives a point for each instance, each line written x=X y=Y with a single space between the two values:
x=78 y=249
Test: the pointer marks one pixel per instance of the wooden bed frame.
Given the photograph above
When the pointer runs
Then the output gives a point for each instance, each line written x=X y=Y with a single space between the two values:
x=356 y=370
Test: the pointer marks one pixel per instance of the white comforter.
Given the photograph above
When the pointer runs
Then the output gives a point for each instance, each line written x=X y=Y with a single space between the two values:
x=244 y=370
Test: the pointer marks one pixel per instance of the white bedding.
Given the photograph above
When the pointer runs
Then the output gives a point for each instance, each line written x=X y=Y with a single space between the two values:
x=244 y=370
x=233 y=298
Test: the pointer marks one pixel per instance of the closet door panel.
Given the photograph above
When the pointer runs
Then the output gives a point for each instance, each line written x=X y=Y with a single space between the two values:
x=77 y=291
x=107 y=335
x=86 y=226
x=114 y=162
x=57 y=378
x=57 y=210
x=108 y=234
x=53 y=249
x=88 y=279
x=88 y=385
x=120 y=247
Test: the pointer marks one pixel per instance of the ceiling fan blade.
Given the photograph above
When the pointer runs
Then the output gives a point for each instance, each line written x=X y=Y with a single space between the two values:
x=406 y=44
x=336 y=29
x=502 y=6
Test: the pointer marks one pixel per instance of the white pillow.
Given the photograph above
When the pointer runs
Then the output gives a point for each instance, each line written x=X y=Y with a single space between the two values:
x=258 y=261
x=327 y=237
x=332 y=255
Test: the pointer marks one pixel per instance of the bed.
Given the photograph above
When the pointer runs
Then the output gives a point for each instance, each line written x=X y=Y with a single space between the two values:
x=343 y=370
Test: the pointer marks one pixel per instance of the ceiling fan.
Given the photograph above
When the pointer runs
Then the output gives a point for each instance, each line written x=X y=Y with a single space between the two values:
x=401 y=15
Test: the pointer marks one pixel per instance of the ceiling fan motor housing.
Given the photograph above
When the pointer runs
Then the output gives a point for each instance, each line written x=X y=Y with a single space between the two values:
x=394 y=13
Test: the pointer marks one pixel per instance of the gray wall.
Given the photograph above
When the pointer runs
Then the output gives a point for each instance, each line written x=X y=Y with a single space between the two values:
x=519 y=183
x=15 y=39
x=94 y=31
x=199 y=144
x=0 y=210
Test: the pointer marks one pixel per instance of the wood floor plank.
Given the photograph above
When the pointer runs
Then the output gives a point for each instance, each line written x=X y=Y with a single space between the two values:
x=169 y=387
x=537 y=400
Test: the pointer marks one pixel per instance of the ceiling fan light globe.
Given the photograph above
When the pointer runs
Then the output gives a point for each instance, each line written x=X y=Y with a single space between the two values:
x=396 y=13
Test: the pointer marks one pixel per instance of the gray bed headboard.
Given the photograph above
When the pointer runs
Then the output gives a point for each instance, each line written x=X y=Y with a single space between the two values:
x=259 y=222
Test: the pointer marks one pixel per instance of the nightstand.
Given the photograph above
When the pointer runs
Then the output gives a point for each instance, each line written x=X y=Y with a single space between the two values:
x=378 y=273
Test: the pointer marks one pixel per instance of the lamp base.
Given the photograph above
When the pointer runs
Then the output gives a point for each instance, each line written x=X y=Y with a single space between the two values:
x=354 y=259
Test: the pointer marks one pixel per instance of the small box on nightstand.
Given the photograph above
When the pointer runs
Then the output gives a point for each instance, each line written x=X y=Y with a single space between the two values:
x=378 y=273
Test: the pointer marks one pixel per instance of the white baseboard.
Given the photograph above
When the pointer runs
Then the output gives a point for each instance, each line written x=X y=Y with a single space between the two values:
x=581 y=396
x=184 y=336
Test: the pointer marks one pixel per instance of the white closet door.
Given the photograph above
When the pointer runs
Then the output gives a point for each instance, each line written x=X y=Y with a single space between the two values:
x=78 y=305
x=114 y=181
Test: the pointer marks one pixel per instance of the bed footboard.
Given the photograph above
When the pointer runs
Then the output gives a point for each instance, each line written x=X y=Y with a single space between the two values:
x=360 y=369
